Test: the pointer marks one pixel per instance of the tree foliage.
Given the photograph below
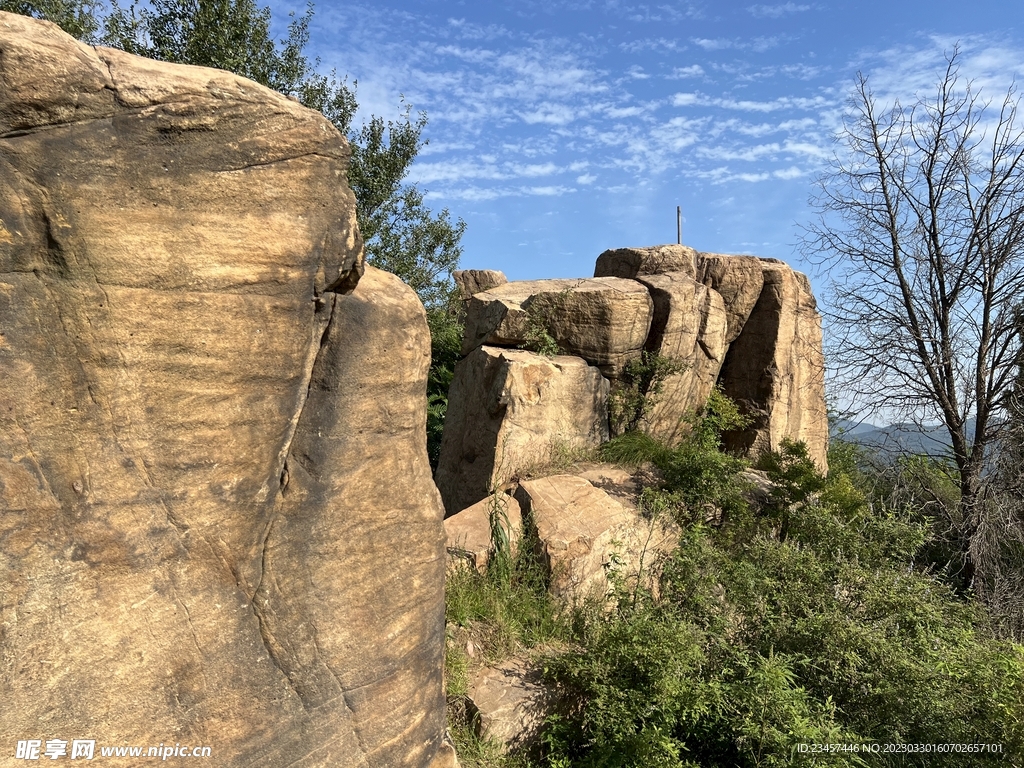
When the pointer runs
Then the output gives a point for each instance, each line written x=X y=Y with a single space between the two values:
x=922 y=219
x=759 y=640
x=76 y=17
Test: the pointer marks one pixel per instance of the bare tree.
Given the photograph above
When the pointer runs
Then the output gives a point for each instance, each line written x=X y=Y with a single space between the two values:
x=921 y=222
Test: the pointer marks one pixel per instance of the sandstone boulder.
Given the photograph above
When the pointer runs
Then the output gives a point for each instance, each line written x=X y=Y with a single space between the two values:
x=775 y=368
x=470 y=282
x=210 y=436
x=584 y=532
x=509 y=702
x=603 y=320
x=738 y=279
x=689 y=327
x=469 y=531
x=511 y=409
x=653 y=260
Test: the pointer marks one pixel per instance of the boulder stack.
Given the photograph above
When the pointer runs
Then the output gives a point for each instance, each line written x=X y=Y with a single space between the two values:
x=747 y=325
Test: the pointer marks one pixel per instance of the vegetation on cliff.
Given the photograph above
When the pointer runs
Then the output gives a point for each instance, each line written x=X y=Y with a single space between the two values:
x=813 y=614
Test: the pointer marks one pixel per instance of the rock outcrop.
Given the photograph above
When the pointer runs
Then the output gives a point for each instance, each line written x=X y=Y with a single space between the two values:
x=689 y=327
x=656 y=260
x=509 y=409
x=775 y=368
x=738 y=279
x=509 y=702
x=584 y=534
x=469 y=533
x=748 y=325
x=212 y=426
x=470 y=282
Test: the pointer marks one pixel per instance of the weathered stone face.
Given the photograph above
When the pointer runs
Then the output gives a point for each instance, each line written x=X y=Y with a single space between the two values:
x=775 y=369
x=469 y=536
x=689 y=327
x=470 y=282
x=738 y=279
x=509 y=410
x=206 y=448
x=603 y=320
x=583 y=532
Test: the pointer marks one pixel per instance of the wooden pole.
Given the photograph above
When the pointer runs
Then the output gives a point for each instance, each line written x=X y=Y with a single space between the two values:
x=679 y=224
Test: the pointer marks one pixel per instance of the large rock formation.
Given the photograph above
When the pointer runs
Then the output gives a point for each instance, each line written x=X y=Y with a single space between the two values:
x=689 y=327
x=210 y=436
x=509 y=410
x=746 y=324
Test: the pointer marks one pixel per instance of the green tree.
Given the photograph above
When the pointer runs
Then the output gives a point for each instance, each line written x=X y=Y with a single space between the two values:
x=76 y=17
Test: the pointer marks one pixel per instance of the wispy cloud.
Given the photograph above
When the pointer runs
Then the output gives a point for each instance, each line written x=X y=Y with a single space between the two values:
x=776 y=11
x=756 y=44
x=494 y=193
x=661 y=44
x=680 y=73
x=750 y=105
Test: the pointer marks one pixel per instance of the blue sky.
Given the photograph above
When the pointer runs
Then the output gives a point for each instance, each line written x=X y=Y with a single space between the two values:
x=561 y=128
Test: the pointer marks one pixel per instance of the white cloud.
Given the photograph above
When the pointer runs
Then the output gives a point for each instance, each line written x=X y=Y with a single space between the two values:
x=652 y=44
x=494 y=193
x=750 y=105
x=685 y=99
x=756 y=44
x=680 y=73
x=549 y=191
x=617 y=113
x=748 y=154
x=550 y=114
x=776 y=11
x=587 y=178
x=789 y=173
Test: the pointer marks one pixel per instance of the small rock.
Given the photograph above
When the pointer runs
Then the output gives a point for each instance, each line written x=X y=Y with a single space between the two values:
x=509 y=703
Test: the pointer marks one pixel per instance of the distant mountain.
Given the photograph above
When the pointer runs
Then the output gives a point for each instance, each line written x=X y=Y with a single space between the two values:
x=932 y=440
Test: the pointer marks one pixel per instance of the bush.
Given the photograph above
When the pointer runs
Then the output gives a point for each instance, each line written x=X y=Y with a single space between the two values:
x=445 y=351
x=759 y=641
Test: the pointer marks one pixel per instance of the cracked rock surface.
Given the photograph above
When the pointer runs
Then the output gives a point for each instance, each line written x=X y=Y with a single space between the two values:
x=211 y=426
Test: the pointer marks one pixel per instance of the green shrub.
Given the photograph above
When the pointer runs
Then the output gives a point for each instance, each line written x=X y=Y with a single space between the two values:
x=633 y=449
x=758 y=642
x=445 y=351
x=638 y=389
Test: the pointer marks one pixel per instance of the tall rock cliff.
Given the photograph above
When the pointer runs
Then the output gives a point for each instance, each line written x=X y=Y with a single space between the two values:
x=217 y=522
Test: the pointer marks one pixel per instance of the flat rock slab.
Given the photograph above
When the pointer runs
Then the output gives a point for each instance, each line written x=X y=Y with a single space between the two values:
x=469 y=531
x=470 y=282
x=602 y=320
x=584 y=532
x=652 y=260
x=510 y=410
